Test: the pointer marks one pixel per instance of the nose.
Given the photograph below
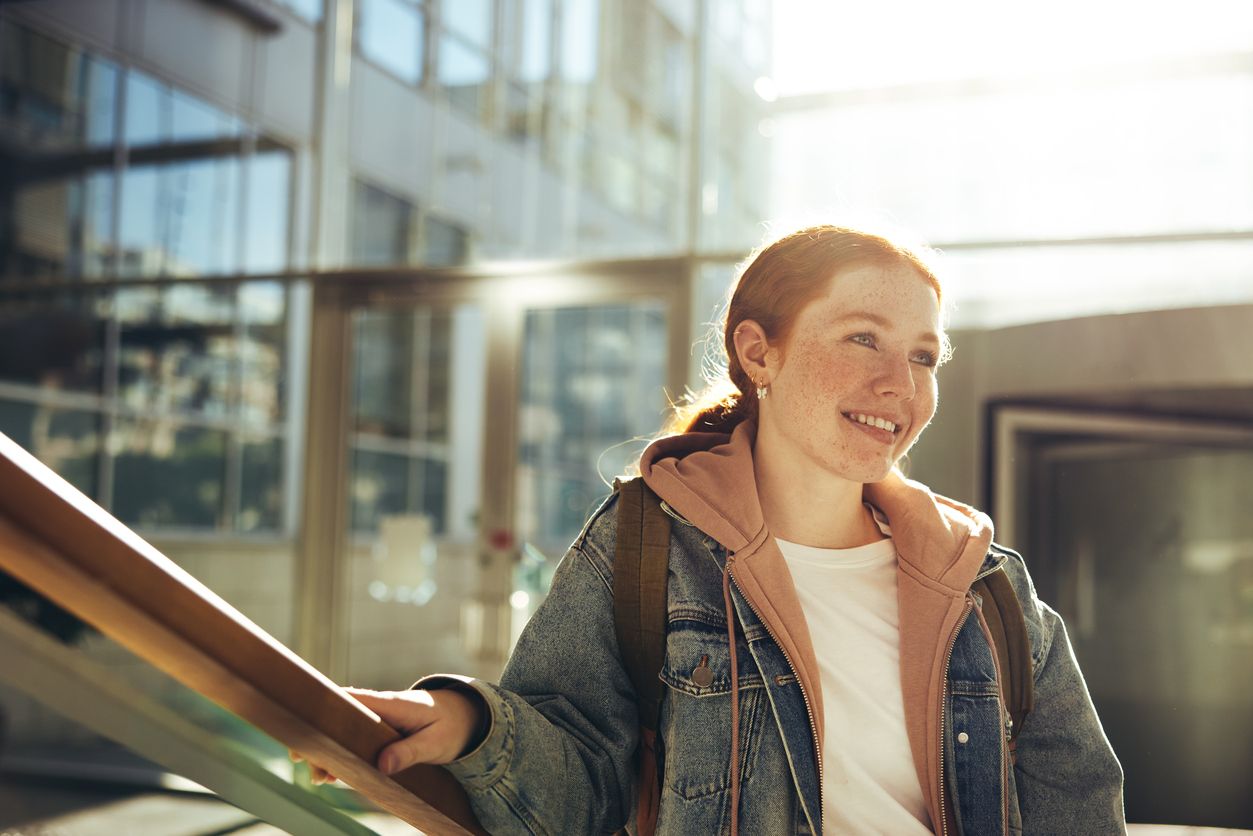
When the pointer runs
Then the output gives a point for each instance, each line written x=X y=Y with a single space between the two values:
x=895 y=377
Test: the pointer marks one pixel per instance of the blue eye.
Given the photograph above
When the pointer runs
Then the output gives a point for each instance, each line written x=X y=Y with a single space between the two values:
x=863 y=339
x=925 y=358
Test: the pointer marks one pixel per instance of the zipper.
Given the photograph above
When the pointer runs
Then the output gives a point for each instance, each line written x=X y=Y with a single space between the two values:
x=1004 y=718
x=948 y=657
x=813 y=727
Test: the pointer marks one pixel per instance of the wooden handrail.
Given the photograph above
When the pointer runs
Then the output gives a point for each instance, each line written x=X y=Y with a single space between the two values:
x=60 y=543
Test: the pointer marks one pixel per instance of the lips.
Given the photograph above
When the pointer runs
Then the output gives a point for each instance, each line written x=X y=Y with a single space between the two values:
x=874 y=426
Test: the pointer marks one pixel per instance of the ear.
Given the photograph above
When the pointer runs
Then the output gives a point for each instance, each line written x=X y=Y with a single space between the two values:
x=757 y=357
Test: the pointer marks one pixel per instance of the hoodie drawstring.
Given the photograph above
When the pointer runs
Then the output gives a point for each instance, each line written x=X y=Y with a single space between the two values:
x=735 y=701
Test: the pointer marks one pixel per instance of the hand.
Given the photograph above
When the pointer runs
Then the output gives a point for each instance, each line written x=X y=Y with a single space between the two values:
x=436 y=725
x=317 y=775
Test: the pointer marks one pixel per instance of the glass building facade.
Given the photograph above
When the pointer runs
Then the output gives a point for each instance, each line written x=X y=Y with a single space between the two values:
x=511 y=129
x=179 y=182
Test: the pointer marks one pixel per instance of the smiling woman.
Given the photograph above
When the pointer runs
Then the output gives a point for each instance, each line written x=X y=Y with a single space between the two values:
x=843 y=650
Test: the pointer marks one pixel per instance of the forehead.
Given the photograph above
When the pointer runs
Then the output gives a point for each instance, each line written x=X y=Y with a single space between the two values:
x=898 y=293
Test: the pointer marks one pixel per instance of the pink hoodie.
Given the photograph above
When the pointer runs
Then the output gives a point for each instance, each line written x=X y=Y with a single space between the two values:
x=709 y=479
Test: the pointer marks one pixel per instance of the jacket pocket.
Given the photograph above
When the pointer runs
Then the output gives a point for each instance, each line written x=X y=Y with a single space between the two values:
x=696 y=710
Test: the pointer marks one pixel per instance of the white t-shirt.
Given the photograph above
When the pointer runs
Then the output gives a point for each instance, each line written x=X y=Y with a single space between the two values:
x=849 y=599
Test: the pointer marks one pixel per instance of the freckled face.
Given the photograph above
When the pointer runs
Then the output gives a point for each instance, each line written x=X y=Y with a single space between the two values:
x=854 y=384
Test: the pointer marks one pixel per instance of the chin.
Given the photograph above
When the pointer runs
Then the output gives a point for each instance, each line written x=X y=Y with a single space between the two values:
x=862 y=472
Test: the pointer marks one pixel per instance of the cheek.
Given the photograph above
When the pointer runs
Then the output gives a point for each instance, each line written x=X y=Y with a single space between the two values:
x=816 y=379
x=925 y=401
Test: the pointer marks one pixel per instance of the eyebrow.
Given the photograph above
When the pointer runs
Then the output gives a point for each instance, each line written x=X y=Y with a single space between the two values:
x=883 y=322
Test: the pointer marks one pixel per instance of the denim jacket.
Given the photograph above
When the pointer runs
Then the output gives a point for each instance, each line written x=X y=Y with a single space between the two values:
x=561 y=753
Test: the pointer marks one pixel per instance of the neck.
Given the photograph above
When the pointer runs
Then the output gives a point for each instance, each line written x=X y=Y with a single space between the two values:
x=803 y=504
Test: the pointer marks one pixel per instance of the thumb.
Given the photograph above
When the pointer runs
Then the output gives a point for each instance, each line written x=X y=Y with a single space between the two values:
x=404 y=753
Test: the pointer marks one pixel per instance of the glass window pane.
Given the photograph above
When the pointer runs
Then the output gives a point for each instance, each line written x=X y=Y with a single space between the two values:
x=201 y=205
x=523 y=117
x=57 y=228
x=142 y=227
x=444 y=243
x=56 y=347
x=534 y=58
x=310 y=10
x=68 y=441
x=147 y=109
x=414 y=513
x=669 y=87
x=382 y=226
x=579 y=39
x=591 y=377
x=261 y=486
x=177 y=349
x=413 y=368
x=193 y=119
x=379 y=486
x=436 y=403
x=619 y=183
x=463 y=74
x=390 y=33
x=101 y=105
x=386 y=346
x=166 y=475
x=51 y=95
x=97 y=250
x=471 y=19
x=434 y=475
x=262 y=352
x=268 y=212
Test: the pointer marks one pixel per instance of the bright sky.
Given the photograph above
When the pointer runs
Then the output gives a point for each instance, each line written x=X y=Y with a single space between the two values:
x=839 y=44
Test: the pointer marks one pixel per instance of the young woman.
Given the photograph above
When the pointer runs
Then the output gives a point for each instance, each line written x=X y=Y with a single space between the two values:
x=866 y=696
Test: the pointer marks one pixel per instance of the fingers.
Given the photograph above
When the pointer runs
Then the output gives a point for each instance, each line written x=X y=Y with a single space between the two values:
x=405 y=711
x=434 y=726
x=317 y=775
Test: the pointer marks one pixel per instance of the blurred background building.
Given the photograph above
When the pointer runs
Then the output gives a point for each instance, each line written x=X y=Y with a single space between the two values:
x=353 y=308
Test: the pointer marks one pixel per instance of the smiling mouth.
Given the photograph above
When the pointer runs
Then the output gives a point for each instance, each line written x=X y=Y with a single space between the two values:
x=870 y=421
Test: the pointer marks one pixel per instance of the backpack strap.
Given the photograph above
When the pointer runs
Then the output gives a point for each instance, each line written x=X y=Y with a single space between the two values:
x=1003 y=613
x=640 y=574
x=641 y=571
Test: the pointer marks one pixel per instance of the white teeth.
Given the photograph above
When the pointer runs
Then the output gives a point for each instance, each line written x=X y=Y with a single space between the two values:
x=872 y=421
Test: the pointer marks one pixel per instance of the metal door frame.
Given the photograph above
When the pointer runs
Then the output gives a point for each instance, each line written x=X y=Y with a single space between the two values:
x=1011 y=424
x=504 y=292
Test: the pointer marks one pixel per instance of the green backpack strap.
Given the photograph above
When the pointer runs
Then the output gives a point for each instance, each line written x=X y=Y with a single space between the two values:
x=1003 y=613
x=641 y=570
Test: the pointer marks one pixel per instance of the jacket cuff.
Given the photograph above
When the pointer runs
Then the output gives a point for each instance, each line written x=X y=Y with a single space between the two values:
x=486 y=763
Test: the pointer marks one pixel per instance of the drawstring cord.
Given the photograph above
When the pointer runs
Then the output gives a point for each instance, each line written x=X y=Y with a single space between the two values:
x=735 y=701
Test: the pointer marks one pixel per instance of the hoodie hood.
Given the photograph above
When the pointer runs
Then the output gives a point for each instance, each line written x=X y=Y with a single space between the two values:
x=709 y=479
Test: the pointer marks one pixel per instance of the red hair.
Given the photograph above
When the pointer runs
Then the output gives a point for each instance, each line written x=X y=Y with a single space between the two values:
x=779 y=280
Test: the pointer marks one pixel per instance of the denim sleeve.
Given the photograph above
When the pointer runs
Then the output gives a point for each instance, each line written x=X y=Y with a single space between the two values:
x=1067 y=776
x=559 y=755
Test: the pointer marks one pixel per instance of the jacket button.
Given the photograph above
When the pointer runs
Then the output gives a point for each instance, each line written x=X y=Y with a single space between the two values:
x=963 y=738
x=702 y=675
